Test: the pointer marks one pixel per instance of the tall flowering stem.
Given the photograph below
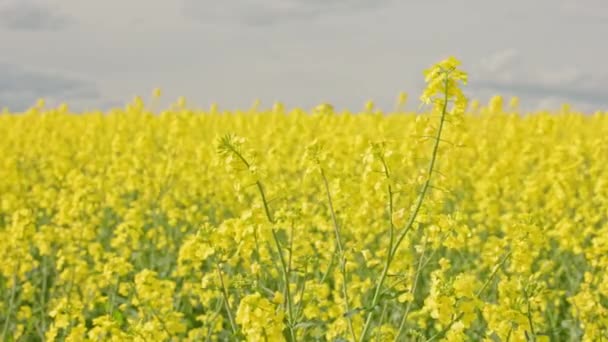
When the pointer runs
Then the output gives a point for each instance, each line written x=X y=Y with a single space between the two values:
x=442 y=87
x=316 y=156
x=231 y=145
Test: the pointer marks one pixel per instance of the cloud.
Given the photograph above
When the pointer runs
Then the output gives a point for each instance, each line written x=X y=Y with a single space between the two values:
x=586 y=10
x=20 y=88
x=500 y=61
x=262 y=13
x=507 y=73
x=24 y=15
x=540 y=91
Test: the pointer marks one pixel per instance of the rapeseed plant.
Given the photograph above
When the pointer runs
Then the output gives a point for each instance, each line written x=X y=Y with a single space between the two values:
x=459 y=223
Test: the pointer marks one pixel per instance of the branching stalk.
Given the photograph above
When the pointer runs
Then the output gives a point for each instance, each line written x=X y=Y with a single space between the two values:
x=411 y=220
x=285 y=267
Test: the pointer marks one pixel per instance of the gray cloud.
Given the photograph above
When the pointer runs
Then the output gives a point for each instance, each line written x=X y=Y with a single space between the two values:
x=263 y=13
x=24 y=15
x=507 y=73
x=20 y=88
x=303 y=52
x=541 y=91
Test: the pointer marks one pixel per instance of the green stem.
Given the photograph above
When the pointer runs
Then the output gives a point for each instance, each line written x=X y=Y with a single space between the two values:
x=287 y=289
x=342 y=255
x=43 y=292
x=382 y=317
x=442 y=332
x=390 y=204
x=529 y=314
x=291 y=237
x=226 y=302
x=9 y=311
x=413 y=292
x=331 y=264
x=264 y=201
x=211 y=321
x=493 y=274
x=302 y=289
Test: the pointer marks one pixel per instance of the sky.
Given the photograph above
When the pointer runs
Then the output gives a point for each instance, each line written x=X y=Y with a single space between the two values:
x=100 y=54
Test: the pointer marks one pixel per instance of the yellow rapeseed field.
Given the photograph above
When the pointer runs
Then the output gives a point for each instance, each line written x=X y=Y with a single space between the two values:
x=463 y=223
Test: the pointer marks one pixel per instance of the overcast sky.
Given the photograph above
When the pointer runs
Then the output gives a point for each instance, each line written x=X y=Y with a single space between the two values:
x=99 y=54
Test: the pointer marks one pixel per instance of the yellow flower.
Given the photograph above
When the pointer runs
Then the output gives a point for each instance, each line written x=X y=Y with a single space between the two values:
x=405 y=297
x=260 y=319
x=278 y=298
x=464 y=286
